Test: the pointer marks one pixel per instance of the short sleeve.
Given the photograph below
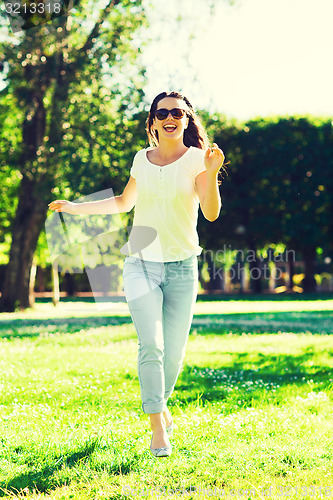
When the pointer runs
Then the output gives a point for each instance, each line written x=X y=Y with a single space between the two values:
x=135 y=165
x=200 y=161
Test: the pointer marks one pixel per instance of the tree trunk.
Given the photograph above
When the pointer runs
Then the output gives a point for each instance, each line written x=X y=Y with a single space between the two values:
x=40 y=279
x=255 y=267
x=69 y=285
x=32 y=282
x=29 y=220
x=55 y=285
x=201 y=280
x=291 y=274
x=215 y=275
x=309 y=258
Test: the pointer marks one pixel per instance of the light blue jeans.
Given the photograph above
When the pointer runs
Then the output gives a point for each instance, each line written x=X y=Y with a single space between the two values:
x=161 y=298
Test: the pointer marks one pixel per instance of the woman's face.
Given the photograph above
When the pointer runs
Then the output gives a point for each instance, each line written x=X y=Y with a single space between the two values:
x=170 y=127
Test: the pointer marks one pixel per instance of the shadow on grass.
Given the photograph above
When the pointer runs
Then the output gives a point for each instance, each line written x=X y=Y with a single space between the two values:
x=252 y=379
x=43 y=477
x=315 y=322
x=275 y=297
x=22 y=328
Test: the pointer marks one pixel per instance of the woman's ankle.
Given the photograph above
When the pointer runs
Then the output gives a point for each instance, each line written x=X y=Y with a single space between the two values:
x=157 y=422
x=167 y=417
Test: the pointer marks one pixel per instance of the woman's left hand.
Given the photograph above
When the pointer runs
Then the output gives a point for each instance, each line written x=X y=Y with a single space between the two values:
x=214 y=159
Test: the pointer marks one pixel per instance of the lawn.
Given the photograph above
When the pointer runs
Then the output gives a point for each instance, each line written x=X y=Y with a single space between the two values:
x=252 y=407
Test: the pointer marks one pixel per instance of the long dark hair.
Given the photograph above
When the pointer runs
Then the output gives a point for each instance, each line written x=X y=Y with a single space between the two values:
x=195 y=135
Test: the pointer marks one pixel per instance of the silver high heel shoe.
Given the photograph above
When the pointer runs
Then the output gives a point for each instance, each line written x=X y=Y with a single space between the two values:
x=161 y=452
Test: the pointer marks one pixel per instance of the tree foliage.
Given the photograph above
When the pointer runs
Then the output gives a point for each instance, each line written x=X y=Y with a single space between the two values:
x=52 y=69
x=279 y=187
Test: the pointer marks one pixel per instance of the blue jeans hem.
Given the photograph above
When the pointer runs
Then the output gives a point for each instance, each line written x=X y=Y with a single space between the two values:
x=153 y=407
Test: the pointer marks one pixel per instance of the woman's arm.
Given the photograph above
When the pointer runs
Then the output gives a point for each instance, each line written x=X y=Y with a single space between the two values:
x=114 y=205
x=209 y=195
x=207 y=184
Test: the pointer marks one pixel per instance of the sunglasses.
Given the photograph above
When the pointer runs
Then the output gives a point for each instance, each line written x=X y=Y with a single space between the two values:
x=163 y=113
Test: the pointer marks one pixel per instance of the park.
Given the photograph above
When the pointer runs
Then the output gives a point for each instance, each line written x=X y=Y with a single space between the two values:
x=252 y=405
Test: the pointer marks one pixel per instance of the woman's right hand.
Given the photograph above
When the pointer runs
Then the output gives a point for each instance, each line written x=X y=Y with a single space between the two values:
x=63 y=206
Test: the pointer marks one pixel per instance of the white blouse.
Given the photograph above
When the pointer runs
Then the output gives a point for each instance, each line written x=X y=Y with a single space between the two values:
x=166 y=211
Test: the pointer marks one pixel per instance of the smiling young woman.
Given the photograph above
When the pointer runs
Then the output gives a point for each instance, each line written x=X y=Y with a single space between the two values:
x=168 y=181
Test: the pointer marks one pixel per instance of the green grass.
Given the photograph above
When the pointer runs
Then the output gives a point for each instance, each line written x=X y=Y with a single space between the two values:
x=252 y=407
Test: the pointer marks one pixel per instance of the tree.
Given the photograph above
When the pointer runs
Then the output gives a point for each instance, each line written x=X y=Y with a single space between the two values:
x=49 y=66
x=303 y=190
x=279 y=188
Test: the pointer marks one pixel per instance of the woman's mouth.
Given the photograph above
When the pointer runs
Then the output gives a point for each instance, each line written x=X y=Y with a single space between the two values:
x=169 y=128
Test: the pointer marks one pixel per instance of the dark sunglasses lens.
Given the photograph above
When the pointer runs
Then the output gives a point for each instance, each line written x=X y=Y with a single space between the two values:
x=163 y=113
x=177 y=113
